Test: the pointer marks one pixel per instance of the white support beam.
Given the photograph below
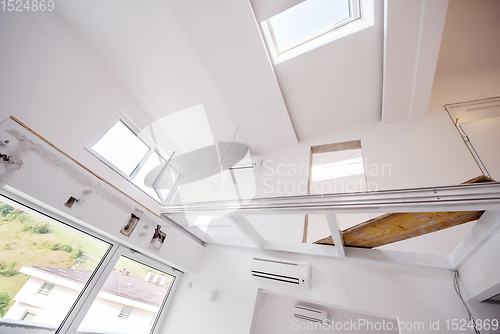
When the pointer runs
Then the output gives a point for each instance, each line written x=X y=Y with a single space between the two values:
x=336 y=234
x=248 y=230
x=301 y=248
x=427 y=260
x=485 y=227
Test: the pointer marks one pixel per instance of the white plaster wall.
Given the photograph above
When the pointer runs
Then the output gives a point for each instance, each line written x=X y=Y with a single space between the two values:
x=398 y=155
x=53 y=83
x=103 y=316
x=49 y=309
x=407 y=293
x=275 y=316
x=42 y=173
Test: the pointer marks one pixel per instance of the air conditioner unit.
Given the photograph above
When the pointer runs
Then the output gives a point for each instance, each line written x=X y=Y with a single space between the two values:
x=280 y=271
x=310 y=314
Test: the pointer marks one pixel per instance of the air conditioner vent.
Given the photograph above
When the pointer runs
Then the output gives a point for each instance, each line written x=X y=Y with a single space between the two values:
x=310 y=314
x=277 y=271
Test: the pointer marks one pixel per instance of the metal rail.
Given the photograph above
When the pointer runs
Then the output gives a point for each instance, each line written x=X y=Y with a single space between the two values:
x=466 y=197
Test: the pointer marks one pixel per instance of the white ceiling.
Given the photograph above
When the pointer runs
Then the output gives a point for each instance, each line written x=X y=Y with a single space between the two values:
x=177 y=54
x=471 y=38
x=336 y=85
x=171 y=56
x=468 y=66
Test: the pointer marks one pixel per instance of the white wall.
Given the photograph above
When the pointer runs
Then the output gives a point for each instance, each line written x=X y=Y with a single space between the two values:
x=39 y=171
x=275 y=316
x=51 y=82
x=404 y=154
x=411 y=294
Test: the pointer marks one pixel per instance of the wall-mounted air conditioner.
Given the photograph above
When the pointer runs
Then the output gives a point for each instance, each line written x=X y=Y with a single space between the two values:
x=310 y=314
x=282 y=271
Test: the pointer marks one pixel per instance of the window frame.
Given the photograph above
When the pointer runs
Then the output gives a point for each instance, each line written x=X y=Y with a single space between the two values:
x=122 y=117
x=91 y=289
x=124 y=316
x=355 y=9
x=366 y=20
x=28 y=311
x=45 y=292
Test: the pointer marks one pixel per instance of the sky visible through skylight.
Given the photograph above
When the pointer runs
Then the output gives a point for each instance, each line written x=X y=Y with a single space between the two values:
x=121 y=147
x=307 y=19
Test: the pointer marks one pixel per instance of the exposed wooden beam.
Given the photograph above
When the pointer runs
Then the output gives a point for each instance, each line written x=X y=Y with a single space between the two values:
x=394 y=227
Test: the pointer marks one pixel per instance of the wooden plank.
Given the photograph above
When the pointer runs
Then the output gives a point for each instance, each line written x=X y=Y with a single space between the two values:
x=395 y=227
x=479 y=179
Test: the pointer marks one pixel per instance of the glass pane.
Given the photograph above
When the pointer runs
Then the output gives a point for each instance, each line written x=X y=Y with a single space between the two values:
x=121 y=147
x=148 y=174
x=338 y=172
x=307 y=19
x=129 y=301
x=166 y=181
x=44 y=265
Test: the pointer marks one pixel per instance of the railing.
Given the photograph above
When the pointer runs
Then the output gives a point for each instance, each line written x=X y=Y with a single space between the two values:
x=466 y=197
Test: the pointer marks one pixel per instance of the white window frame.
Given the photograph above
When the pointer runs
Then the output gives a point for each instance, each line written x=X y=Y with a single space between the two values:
x=124 y=316
x=356 y=14
x=44 y=292
x=363 y=17
x=26 y=313
x=121 y=117
x=84 y=301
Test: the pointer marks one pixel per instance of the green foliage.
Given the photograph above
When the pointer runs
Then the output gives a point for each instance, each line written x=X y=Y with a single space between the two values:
x=37 y=228
x=63 y=247
x=4 y=302
x=12 y=214
x=5 y=209
x=7 y=269
x=75 y=254
x=7 y=246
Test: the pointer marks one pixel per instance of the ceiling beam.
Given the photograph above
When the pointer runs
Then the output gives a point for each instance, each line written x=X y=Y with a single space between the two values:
x=412 y=39
x=336 y=234
x=242 y=224
x=482 y=230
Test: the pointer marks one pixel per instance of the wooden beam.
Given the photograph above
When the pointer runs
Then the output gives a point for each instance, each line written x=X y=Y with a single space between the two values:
x=395 y=227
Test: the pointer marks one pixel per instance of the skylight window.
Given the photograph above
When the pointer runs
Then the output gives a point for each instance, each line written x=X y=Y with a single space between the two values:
x=121 y=147
x=309 y=20
x=137 y=158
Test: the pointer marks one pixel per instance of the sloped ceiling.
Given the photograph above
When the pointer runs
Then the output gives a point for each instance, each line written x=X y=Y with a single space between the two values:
x=468 y=66
x=177 y=54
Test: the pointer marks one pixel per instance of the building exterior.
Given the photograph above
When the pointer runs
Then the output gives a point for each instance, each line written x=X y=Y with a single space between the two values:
x=126 y=304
